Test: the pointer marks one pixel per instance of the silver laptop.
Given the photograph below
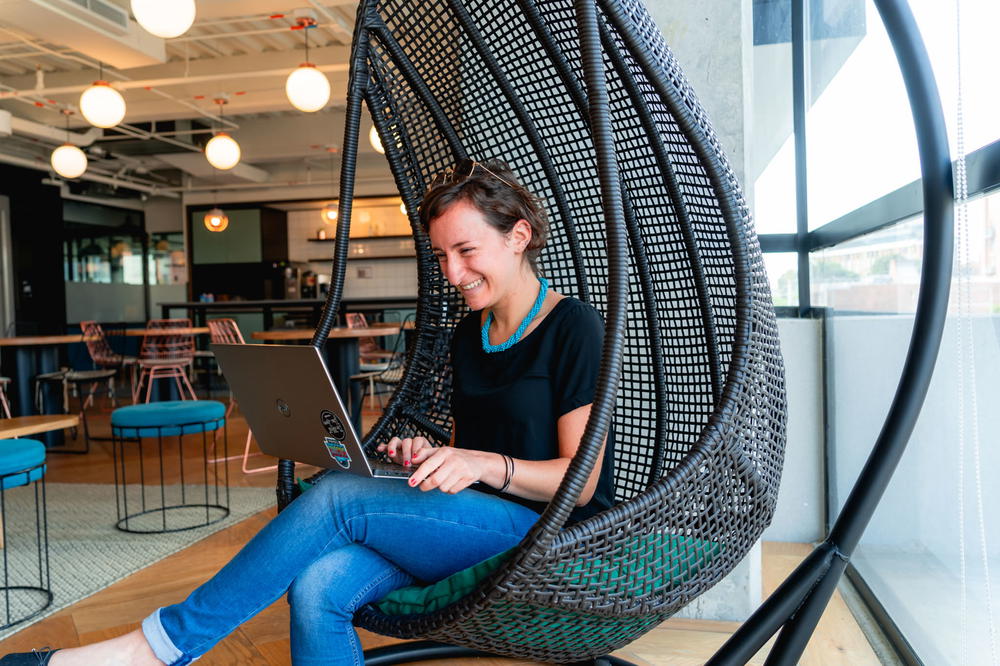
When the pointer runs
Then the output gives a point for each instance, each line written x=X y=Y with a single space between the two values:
x=294 y=410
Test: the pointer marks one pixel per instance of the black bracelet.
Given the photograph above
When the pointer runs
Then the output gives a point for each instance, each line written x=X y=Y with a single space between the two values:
x=508 y=465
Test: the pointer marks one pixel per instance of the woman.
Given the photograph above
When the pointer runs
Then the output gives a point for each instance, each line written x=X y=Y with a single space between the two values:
x=525 y=364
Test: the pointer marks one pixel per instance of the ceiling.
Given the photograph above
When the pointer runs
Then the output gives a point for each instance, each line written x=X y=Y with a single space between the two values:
x=239 y=50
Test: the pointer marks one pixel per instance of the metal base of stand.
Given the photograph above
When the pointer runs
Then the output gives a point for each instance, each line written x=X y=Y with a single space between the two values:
x=402 y=653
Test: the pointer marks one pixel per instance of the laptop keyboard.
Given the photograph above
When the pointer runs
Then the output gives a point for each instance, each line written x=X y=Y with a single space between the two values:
x=380 y=468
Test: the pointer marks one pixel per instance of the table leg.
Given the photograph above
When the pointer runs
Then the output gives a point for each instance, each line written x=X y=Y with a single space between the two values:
x=343 y=362
x=32 y=360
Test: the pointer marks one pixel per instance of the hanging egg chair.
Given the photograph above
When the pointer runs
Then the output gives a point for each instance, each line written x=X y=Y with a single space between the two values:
x=648 y=224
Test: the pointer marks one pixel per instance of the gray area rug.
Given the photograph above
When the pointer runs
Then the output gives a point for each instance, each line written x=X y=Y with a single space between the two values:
x=86 y=552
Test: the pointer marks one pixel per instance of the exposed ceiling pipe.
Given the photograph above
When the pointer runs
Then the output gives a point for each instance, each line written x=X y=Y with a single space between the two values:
x=54 y=134
x=64 y=193
x=252 y=186
x=336 y=24
x=40 y=165
x=14 y=94
x=164 y=82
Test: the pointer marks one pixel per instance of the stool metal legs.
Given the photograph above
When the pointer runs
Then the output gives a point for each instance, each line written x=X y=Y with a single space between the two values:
x=170 y=508
x=24 y=601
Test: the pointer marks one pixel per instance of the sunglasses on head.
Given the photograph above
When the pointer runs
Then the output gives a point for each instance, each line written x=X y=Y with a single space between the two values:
x=463 y=170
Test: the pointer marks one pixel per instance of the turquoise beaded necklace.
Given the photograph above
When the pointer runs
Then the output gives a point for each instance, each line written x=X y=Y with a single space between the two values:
x=514 y=339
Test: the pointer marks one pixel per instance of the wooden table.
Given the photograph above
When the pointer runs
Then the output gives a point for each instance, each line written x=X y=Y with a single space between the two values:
x=37 y=354
x=20 y=426
x=342 y=356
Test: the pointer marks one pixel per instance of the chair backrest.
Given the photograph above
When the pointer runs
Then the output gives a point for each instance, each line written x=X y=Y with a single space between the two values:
x=225 y=331
x=98 y=346
x=699 y=409
x=366 y=345
x=167 y=346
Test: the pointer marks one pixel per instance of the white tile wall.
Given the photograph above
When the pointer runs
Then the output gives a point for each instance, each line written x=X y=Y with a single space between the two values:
x=384 y=278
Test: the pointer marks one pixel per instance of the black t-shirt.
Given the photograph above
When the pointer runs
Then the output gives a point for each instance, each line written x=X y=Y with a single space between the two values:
x=510 y=401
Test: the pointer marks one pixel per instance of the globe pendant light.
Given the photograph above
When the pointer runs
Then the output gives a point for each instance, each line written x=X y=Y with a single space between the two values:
x=102 y=105
x=216 y=220
x=68 y=160
x=164 y=18
x=307 y=88
x=375 y=140
x=222 y=151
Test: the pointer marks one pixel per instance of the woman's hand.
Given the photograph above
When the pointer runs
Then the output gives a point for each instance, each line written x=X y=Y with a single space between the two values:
x=409 y=451
x=450 y=470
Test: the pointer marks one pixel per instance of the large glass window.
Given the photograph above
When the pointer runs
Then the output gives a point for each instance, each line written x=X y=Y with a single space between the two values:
x=783 y=273
x=931 y=554
x=771 y=181
x=860 y=136
x=878 y=272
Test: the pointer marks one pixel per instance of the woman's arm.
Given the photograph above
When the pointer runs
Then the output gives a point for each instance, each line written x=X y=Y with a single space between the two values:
x=539 y=479
x=452 y=469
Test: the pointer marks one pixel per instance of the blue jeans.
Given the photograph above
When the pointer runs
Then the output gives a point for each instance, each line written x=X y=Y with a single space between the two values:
x=346 y=542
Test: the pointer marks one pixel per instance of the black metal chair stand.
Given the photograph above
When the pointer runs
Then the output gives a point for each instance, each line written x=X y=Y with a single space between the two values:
x=202 y=495
x=23 y=595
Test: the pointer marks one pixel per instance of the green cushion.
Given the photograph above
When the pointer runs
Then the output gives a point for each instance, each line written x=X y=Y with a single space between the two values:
x=677 y=558
x=20 y=454
x=167 y=418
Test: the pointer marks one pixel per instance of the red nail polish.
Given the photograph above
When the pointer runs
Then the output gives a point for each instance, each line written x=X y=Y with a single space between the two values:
x=406 y=463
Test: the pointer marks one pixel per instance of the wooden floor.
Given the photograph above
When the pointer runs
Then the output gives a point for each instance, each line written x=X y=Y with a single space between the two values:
x=264 y=639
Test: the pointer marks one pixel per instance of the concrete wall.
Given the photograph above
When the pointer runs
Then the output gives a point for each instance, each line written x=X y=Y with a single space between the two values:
x=713 y=42
x=800 y=513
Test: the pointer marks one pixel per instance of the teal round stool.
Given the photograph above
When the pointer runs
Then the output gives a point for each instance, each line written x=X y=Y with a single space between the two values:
x=25 y=547
x=164 y=481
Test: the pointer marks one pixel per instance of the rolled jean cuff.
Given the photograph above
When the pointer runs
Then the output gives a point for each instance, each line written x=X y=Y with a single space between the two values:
x=160 y=642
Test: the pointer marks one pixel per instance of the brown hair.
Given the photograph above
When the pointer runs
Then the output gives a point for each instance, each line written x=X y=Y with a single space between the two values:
x=494 y=191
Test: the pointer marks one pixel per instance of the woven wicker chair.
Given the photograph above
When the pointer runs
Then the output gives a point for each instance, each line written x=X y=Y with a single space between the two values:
x=648 y=225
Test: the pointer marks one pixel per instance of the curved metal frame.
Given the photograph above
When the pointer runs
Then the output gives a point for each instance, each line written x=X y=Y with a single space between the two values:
x=796 y=606
x=799 y=602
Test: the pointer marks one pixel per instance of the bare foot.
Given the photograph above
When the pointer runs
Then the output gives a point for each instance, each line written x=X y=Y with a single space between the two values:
x=128 y=650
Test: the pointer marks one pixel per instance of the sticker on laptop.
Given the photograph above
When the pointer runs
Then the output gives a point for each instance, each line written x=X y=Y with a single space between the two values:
x=338 y=452
x=332 y=424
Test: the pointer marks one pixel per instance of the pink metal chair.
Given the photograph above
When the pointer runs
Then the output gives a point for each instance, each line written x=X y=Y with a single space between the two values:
x=164 y=356
x=104 y=357
x=227 y=332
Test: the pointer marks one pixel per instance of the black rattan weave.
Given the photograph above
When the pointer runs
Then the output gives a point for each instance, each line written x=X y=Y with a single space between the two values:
x=590 y=108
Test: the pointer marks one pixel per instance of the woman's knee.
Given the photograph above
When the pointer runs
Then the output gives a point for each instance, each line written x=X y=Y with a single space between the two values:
x=342 y=580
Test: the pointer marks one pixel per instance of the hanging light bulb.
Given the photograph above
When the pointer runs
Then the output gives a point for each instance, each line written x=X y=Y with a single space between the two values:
x=222 y=151
x=68 y=160
x=329 y=214
x=375 y=140
x=307 y=88
x=102 y=105
x=164 y=19
x=216 y=220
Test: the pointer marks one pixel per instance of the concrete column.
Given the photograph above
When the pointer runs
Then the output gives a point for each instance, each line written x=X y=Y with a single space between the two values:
x=713 y=42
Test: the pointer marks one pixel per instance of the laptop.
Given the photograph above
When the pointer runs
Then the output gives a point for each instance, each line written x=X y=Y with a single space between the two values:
x=294 y=410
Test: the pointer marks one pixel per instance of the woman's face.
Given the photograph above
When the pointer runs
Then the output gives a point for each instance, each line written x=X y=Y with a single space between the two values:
x=478 y=260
